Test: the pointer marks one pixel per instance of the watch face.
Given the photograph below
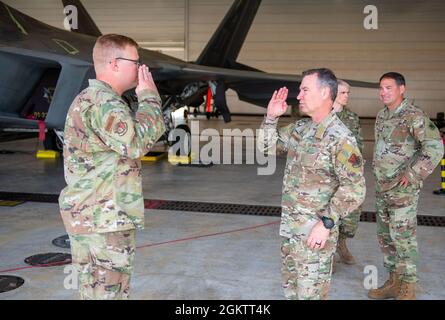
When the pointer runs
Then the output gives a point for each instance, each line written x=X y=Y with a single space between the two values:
x=328 y=223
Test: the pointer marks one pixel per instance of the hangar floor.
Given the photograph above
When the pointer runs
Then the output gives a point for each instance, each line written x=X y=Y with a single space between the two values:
x=197 y=255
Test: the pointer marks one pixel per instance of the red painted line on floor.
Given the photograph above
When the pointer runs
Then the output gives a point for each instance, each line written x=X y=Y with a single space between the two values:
x=208 y=235
x=155 y=244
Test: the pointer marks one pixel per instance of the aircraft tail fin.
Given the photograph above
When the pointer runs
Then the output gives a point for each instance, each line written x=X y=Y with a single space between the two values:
x=85 y=22
x=14 y=24
x=223 y=48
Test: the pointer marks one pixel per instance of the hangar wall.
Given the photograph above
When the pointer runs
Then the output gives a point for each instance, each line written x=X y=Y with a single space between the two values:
x=293 y=35
x=289 y=36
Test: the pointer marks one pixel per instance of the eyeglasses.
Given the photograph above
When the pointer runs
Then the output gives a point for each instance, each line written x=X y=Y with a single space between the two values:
x=136 y=62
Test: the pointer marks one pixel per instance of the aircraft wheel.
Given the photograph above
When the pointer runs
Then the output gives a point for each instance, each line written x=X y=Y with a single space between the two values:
x=52 y=142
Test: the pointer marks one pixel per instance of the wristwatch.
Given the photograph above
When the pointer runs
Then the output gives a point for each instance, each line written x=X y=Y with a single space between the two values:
x=327 y=222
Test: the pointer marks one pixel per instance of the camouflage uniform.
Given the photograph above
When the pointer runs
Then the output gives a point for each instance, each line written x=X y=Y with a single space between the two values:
x=104 y=263
x=349 y=224
x=323 y=177
x=407 y=143
x=102 y=203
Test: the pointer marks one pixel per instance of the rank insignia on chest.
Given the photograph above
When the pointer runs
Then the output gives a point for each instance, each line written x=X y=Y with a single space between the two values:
x=109 y=124
x=355 y=160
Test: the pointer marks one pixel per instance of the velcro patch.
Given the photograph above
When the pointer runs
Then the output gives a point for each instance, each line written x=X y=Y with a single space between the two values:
x=109 y=123
x=355 y=160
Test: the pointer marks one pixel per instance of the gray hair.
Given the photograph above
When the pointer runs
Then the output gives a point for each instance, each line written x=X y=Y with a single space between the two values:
x=343 y=83
x=326 y=78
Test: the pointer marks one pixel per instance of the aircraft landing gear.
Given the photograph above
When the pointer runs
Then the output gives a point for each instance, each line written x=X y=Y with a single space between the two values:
x=52 y=141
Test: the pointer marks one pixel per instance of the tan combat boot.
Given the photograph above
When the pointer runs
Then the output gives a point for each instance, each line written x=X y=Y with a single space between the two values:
x=390 y=289
x=407 y=291
x=343 y=252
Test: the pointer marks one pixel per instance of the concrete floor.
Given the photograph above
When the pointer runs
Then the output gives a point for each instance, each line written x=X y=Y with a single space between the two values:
x=238 y=264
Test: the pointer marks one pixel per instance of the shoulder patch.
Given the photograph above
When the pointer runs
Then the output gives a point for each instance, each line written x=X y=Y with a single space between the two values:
x=349 y=156
x=355 y=160
x=121 y=128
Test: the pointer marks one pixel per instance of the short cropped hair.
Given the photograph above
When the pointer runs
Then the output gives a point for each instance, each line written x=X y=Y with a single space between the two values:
x=400 y=79
x=326 y=78
x=109 y=46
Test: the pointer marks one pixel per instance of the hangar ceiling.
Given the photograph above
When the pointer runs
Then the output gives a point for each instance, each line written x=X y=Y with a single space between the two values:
x=289 y=36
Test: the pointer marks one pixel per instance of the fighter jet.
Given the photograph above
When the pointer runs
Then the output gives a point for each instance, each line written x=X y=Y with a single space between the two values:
x=43 y=68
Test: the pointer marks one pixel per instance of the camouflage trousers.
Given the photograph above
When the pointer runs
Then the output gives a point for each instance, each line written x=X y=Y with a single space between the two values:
x=349 y=224
x=104 y=264
x=396 y=230
x=306 y=273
